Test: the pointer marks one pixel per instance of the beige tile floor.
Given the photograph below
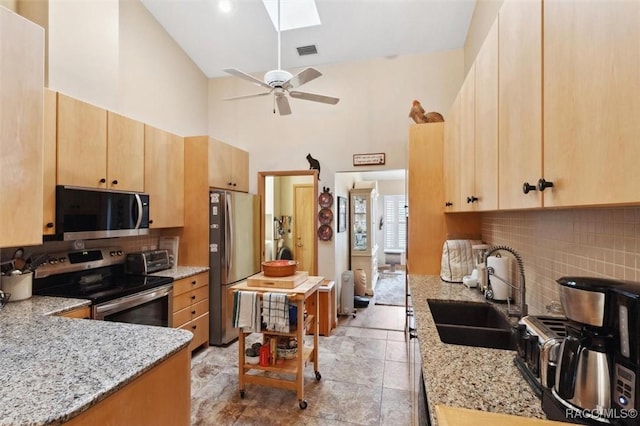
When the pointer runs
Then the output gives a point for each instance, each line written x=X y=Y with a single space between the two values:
x=365 y=380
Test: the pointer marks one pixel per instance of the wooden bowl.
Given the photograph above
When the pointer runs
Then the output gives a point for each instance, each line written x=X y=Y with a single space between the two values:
x=279 y=268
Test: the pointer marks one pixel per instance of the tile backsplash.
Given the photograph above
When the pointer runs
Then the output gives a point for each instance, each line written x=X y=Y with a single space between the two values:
x=602 y=242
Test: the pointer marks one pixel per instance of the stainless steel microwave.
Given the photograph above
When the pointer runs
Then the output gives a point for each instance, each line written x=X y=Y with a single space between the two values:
x=83 y=213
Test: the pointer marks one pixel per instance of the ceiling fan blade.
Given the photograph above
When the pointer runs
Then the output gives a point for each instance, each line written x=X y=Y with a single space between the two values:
x=235 y=98
x=283 y=105
x=302 y=77
x=313 y=97
x=247 y=77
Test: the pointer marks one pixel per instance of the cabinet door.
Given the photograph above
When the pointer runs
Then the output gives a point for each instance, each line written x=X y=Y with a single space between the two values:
x=486 y=131
x=125 y=153
x=49 y=153
x=362 y=238
x=451 y=158
x=82 y=143
x=467 y=142
x=21 y=124
x=219 y=164
x=240 y=169
x=164 y=177
x=591 y=102
x=520 y=102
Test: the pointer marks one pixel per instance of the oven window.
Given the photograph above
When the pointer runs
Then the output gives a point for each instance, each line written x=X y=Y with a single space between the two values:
x=154 y=312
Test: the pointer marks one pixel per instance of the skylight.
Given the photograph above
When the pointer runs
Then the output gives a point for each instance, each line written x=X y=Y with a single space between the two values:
x=293 y=13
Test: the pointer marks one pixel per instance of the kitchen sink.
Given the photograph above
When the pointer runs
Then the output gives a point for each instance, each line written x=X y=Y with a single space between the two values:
x=472 y=324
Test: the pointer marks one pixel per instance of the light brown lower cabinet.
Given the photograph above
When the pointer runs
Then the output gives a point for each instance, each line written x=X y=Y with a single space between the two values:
x=82 y=313
x=161 y=396
x=191 y=307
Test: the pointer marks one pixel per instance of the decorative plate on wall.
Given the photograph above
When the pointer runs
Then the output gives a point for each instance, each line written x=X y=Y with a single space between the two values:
x=325 y=216
x=325 y=233
x=325 y=199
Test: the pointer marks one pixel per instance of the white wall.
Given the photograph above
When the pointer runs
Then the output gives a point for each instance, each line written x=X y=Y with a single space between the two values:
x=115 y=55
x=372 y=116
x=484 y=14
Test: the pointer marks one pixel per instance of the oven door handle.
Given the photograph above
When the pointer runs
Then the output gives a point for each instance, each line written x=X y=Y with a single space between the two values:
x=104 y=309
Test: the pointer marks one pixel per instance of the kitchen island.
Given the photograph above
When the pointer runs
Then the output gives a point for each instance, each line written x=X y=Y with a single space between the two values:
x=464 y=376
x=55 y=370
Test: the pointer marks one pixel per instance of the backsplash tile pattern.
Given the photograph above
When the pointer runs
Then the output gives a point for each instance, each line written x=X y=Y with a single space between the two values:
x=603 y=242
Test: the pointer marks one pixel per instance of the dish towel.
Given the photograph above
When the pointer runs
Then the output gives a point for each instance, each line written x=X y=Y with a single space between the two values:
x=246 y=309
x=275 y=312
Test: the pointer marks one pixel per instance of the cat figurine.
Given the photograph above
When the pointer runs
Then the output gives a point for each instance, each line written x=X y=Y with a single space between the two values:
x=313 y=164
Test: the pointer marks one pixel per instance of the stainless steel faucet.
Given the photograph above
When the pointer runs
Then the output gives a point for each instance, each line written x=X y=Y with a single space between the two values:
x=522 y=305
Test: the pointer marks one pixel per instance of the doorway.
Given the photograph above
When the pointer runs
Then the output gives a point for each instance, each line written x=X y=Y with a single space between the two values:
x=289 y=208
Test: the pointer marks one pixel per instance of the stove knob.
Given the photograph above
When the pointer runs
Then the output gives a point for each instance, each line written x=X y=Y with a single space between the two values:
x=119 y=253
x=53 y=261
x=62 y=260
x=112 y=253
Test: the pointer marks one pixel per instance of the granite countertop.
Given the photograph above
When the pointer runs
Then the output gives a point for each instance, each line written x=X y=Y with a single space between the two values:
x=181 y=272
x=53 y=368
x=464 y=376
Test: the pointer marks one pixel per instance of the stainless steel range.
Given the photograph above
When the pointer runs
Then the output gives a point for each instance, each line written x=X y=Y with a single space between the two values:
x=539 y=341
x=98 y=275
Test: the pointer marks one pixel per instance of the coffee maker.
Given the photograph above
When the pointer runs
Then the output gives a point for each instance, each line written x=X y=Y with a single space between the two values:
x=597 y=373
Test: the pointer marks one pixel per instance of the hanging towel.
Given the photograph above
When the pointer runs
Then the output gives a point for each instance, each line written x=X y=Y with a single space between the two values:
x=275 y=312
x=246 y=309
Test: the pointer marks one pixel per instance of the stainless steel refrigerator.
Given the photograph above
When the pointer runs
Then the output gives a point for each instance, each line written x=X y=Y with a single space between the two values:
x=234 y=255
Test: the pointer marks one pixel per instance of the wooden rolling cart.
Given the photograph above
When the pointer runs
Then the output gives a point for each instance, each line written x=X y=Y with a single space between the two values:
x=295 y=366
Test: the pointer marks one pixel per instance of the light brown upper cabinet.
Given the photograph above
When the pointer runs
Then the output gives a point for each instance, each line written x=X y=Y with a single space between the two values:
x=467 y=194
x=21 y=130
x=49 y=181
x=451 y=158
x=228 y=167
x=519 y=103
x=591 y=102
x=164 y=177
x=486 y=123
x=125 y=153
x=82 y=143
x=98 y=149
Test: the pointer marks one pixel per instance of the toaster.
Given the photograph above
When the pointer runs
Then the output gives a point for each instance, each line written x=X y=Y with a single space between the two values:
x=147 y=262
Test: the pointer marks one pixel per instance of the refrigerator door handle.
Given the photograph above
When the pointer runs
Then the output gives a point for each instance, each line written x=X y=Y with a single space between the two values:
x=228 y=235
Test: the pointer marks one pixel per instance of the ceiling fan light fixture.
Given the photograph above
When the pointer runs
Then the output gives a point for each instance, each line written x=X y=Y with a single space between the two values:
x=276 y=78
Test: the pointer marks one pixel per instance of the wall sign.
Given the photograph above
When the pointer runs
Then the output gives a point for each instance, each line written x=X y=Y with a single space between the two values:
x=376 y=159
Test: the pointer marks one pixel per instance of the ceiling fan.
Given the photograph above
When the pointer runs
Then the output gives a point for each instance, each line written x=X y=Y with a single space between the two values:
x=281 y=82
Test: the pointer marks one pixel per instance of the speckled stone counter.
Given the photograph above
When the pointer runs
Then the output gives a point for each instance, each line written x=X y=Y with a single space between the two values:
x=181 y=272
x=464 y=376
x=53 y=368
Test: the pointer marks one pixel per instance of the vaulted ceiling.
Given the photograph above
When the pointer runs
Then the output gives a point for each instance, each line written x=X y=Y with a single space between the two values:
x=350 y=30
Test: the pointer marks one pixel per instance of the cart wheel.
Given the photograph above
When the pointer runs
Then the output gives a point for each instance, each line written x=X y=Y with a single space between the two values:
x=242 y=394
x=318 y=375
x=303 y=404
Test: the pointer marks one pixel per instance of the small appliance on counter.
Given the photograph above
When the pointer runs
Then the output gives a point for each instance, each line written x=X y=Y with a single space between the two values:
x=538 y=349
x=147 y=262
x=598 y=366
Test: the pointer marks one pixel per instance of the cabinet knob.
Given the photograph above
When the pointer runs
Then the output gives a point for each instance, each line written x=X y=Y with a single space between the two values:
x=114 y=182
x=194 y=327
x=234 y=184
x=193 y=312
x=472 y=199
x=150 y=221
x=49 y=225
x=103 y=180
x=230 y=183
x=193 y=282
x=526 y=187
x=543 y=184
x=193 y=297
x=448 y=204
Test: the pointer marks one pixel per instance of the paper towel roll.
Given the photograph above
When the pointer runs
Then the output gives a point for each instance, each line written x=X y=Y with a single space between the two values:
x=501 y=271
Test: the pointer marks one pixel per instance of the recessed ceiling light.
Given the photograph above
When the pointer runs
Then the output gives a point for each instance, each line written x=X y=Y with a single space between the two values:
x=293 y=14
x=226 y=6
